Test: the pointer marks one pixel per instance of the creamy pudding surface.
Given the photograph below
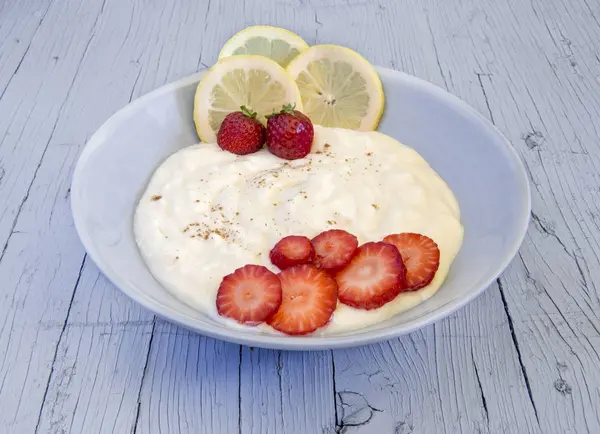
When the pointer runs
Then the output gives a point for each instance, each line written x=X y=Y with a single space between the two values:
x=207 y=212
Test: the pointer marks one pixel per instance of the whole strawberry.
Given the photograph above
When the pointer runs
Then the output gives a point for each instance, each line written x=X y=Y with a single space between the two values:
x=289 y=133
x=241 y=133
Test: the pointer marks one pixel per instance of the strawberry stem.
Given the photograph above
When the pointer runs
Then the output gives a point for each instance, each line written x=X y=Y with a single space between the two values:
x=247 y=112
x=286 y=108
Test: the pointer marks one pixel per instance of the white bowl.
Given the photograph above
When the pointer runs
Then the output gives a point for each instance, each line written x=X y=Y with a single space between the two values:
x=477 y=162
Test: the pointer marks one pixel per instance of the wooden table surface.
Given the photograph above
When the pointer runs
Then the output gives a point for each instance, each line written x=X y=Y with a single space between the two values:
x=78 y=357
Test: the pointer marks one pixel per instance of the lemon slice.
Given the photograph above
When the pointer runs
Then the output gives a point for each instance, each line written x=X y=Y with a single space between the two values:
x=276 y=43
x=339 y=87
x=254 y=81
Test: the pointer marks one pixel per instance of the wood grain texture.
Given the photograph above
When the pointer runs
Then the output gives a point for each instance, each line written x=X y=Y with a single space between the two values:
x=461 y=375
x=37 y=286
x=284 y=391
x=191 y=386
x=80 y=357
x=99 y=363
x=40 y=282
x=20 y=24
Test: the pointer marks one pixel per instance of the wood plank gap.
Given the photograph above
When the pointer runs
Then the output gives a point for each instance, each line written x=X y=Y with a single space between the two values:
x=335 y=407
x=60 y=336
x=139 y=400
x=278 y=369
x=435 y=51
x=483 y=400
x=240 y=392
x=501 y=288
x=487 y=102
x=516 y=344
x=16 y=219
x=437 y=372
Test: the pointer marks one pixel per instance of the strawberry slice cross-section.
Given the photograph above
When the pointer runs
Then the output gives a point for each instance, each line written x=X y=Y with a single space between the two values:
x=249 y=295
x=420 y=255
x=374 y=277
x=309 y=299
x=292 y=250
x=334 y=249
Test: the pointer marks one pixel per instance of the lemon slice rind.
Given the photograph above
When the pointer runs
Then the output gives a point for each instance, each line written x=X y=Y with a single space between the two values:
x=276 y=43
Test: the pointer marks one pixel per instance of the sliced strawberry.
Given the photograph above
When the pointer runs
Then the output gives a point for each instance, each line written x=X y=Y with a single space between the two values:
x=334 y=249
x=249 y=295
x=309 y=299
x=420 y=255
x=374 y=277
x=292 y=250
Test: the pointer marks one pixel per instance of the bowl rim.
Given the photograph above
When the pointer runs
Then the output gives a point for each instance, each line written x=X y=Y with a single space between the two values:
x=286 y=342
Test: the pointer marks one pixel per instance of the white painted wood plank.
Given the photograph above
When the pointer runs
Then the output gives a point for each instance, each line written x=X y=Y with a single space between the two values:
x=19 y=23
x=191 y=386
x=32 y=329
x=261 y=391
x=541 y=81
x=36 y=289
x=393 y=386
x=33 y=101
x=308 y=379
x=99 y=364
x=451 y=377
x=486 y=351
x=284 y=391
